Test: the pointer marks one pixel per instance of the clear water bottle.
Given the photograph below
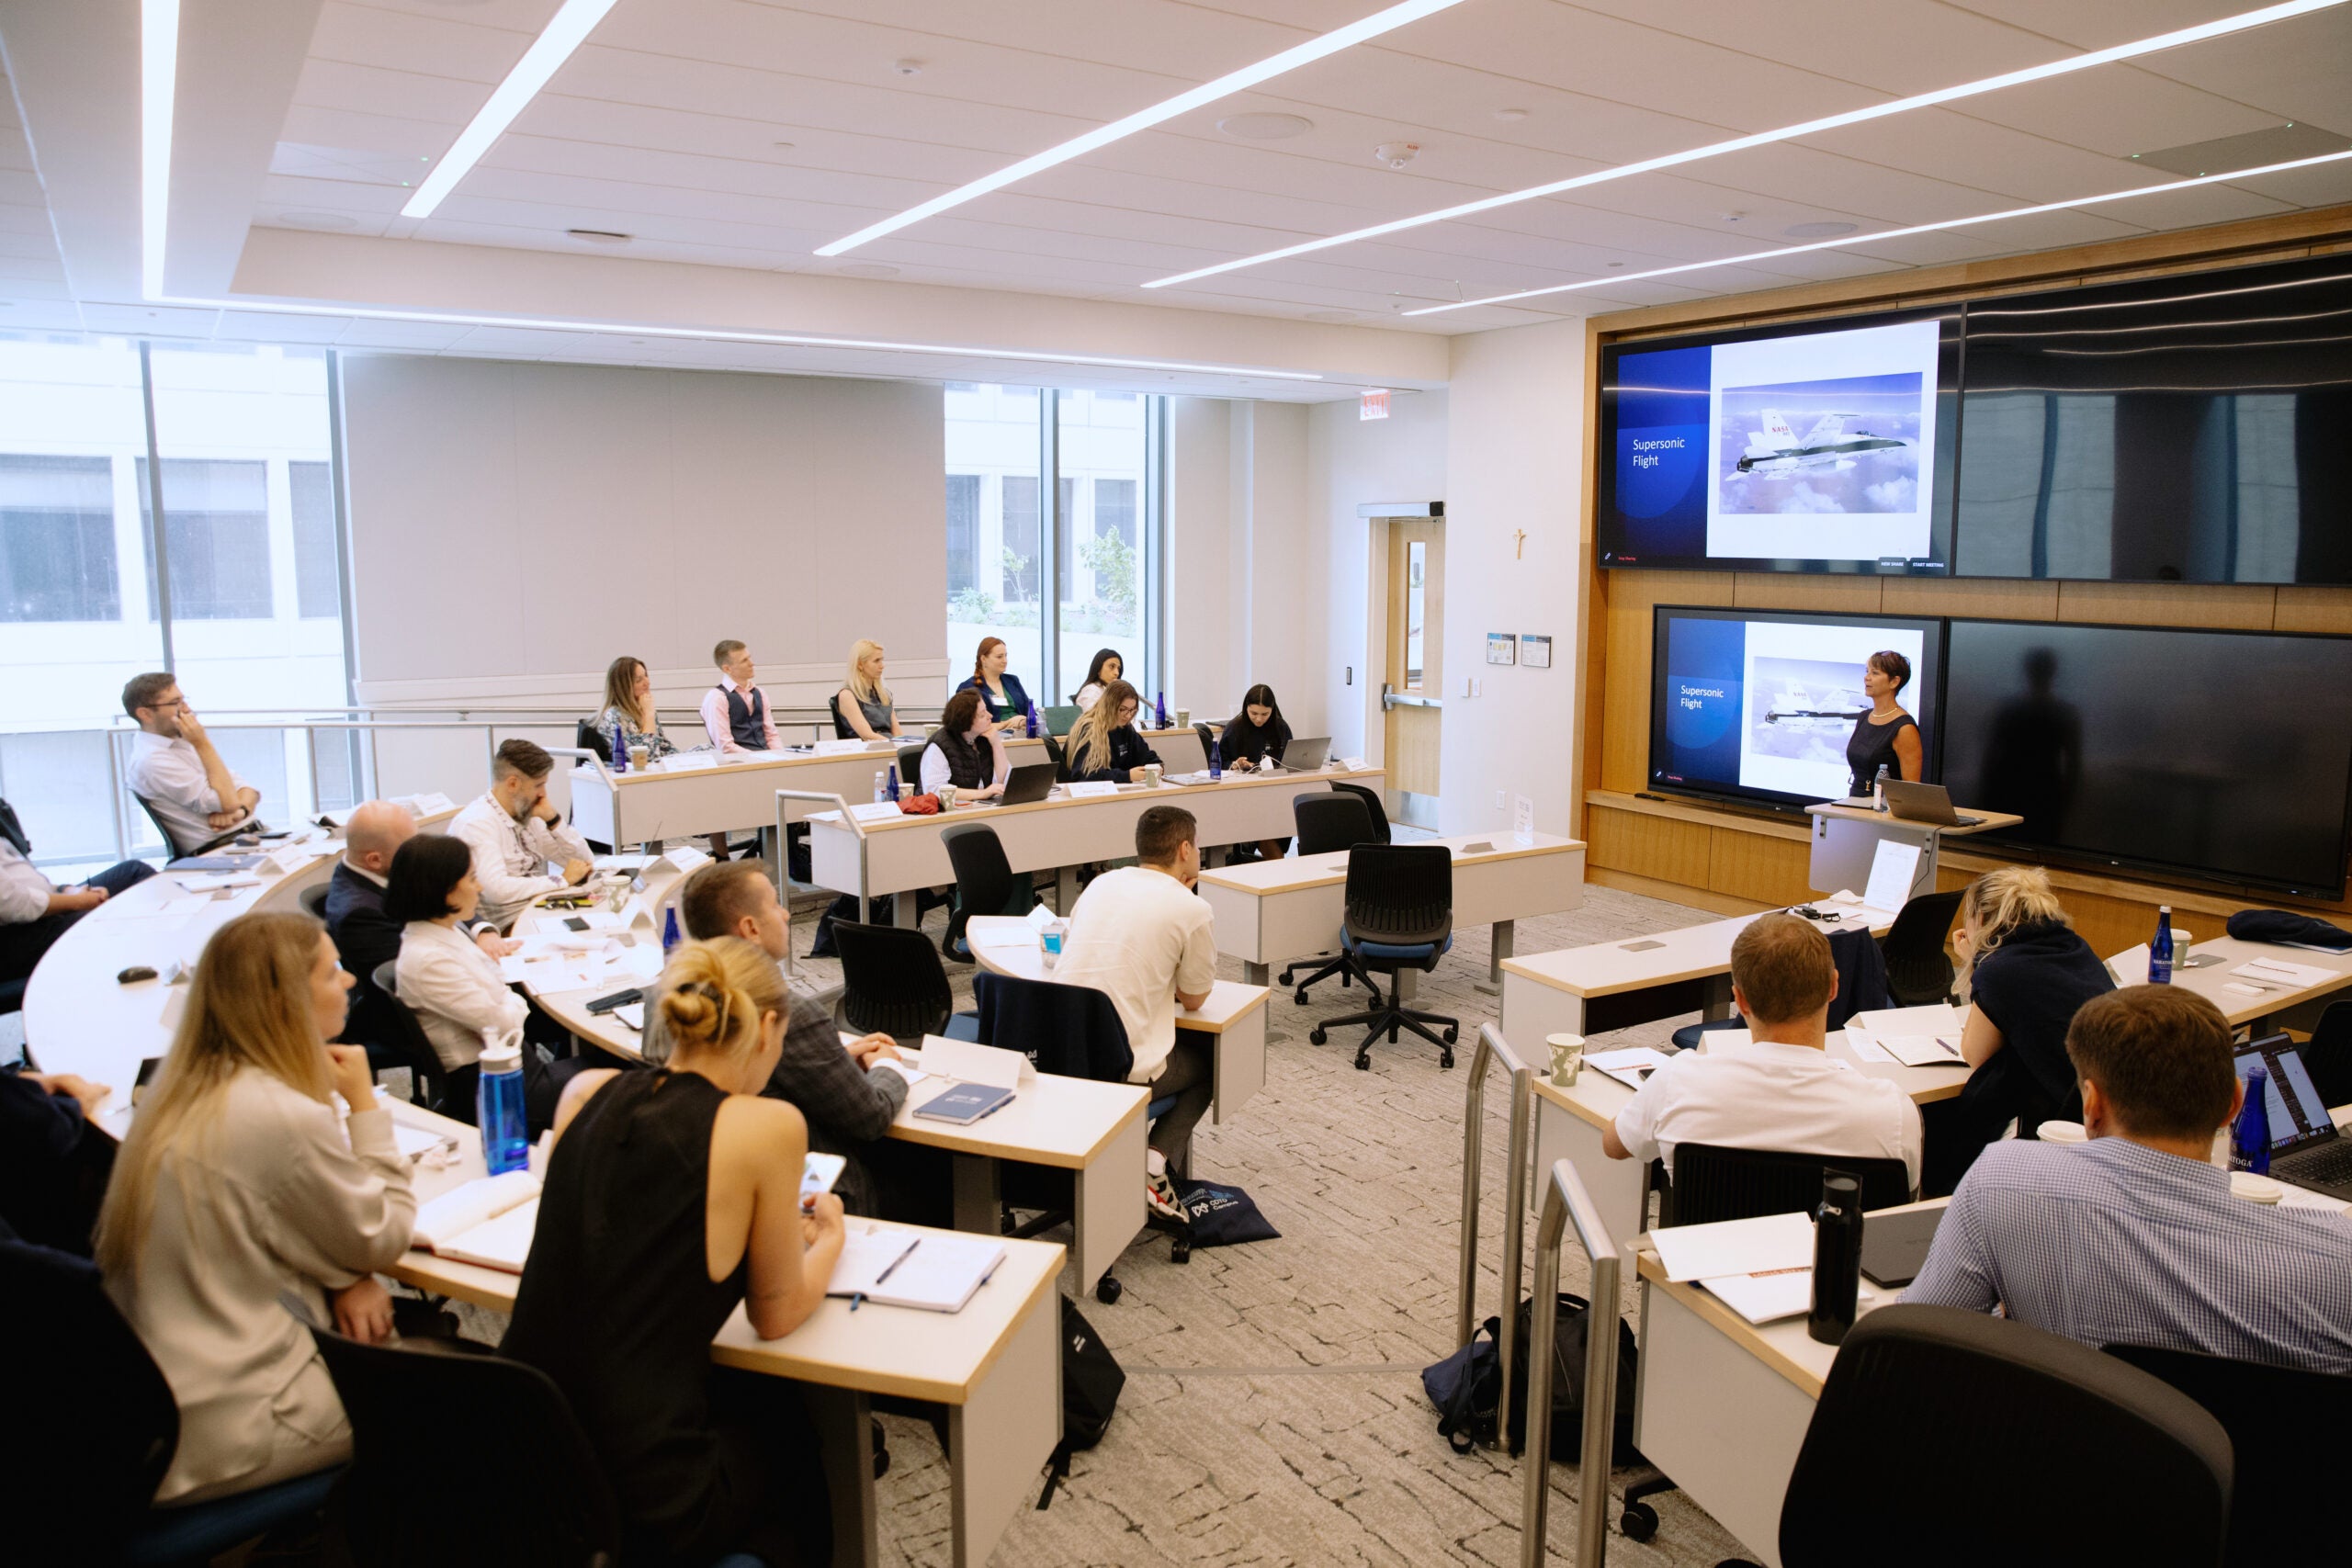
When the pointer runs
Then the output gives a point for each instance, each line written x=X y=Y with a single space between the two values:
x=2160 y=948
x=2250 y=1139
x=890 y=782
x=881 y=793
x=620 y=749
x=498 y=1108
x=1216 y=761
x=670 y=935
x=1878 y=789
x=1837 y=1256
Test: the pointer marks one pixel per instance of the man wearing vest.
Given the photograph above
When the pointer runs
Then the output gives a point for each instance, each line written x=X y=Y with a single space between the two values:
x=735 y=713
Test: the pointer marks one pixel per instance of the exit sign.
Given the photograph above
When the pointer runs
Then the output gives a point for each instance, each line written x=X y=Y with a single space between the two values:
x=1374 y=405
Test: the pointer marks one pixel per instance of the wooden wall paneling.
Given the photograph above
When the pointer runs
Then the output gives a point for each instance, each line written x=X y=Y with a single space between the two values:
x=1654 y=847
x=2225 y=607
x=1844 y=593
x=1747 y=865
x=2313 y=610
x=1989 y=599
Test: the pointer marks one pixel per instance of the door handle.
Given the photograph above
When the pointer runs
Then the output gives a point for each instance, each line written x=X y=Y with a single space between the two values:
x=1391 y=698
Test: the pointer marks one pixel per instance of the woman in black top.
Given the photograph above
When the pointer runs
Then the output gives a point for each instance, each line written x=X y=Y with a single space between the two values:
x=2026 y=973
x=1104 y=743
x=963 y=750
x=1250 y=738
x=672 y=1196
x=1886 y=736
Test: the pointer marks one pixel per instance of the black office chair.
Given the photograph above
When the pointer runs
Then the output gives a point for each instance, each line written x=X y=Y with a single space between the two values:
x=1399 y=913
x=1919 y=973
x=315 y=902
x=1326 y=823
x=2010 y=1408
x=1076 y=1031
x=910 y=768
x=1715 y=1181
x=587 y=737
x=411 y=1048
x=841 y=731
x=986 y=883
x=1371 y=798
x=95 y=1429
x=12 y=995
x=891 y=983
x=1208 y=740
x=1861 y=986
x=2272 y=1415
x=2328 y=1055
x=1054 y=752
x=174 y=849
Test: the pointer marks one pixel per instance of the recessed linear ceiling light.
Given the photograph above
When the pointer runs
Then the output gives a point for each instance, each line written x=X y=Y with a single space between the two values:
x=2197 y=34
x=159 y=65
x=1314 y=48
x=787 y=340
x=1890 y=233
x=566 y=32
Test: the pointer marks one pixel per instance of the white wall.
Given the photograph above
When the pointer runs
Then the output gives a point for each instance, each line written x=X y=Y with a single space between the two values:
x=1199 y=575
x=1514 y=460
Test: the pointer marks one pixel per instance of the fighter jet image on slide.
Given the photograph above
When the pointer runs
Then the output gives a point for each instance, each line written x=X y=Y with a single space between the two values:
x=1775 y=449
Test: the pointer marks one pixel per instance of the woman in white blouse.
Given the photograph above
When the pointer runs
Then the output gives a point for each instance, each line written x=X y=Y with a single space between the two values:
x=239 y=1189
x=453 y=987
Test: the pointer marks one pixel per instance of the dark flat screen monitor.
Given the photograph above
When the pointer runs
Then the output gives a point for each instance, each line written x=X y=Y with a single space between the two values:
x=2196 y=428
x=1757 y=705
x=1823 y=448
x=2225 y=756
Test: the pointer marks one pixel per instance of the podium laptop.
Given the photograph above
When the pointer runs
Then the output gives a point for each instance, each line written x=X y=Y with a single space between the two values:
x=1925 y=803
x=2305 y=1148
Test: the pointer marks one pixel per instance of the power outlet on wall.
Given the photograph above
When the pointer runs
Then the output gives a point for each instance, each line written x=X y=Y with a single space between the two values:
x=1351 y=674
x=1499 y=800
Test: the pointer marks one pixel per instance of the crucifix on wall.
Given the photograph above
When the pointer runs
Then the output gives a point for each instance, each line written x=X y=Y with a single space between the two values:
x=1519 y=552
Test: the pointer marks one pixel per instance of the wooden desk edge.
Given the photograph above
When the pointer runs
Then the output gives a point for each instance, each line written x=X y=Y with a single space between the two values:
x=1547 y=1090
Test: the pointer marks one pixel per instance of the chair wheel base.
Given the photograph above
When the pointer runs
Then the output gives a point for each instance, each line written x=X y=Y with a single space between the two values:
x=1363 y=1058
x=1179 y=1251
x=1445 y=1058
x=1299 y=995
x=1107 y=1290
x=1316 y=1035
x=1453 y=1034
x=1639 y=1522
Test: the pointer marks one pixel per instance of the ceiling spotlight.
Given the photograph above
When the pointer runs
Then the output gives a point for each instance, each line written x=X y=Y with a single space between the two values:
x=1395 y=154
x=1734 y=217
x=601 y=236
x=1265 y=127
x=907 y=67
x=1818 y=231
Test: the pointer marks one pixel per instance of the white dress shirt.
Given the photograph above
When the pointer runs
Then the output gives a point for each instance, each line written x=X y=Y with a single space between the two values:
x=934 y=771
x=1139 y=936
x=1088 y=695
x=1769 y=1096
x=455 y=990
x=24 y=891
x=721 y=725
x=510 y=858
x=168 y=774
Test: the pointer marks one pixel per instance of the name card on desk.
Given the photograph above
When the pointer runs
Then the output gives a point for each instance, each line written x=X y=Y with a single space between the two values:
x=837 y=748
x=426 y=805
x=1353 y=764
x=973 y=1063
x=689 y=762
x=288 y=858
x=681 y=858
x=1090 y=791
x=877 y=811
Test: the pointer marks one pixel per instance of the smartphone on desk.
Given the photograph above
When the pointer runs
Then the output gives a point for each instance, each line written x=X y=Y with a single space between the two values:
x=817 y=1174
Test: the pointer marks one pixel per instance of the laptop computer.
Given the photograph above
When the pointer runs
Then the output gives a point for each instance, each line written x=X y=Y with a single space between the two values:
x=1925 y=803
x=1895 y=1246
x=1305 y=756
x=1032 y=781
x=2305 y=1148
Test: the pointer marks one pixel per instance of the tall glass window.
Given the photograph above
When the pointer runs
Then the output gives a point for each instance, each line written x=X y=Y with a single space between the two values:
x=995 y=557
x=1101 y=442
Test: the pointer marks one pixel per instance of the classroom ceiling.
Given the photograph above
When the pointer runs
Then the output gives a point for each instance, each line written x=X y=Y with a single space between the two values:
x=746 y=133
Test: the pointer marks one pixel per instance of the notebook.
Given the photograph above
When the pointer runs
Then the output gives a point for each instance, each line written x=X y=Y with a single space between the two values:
x=1895 y=1246
x=932 y=1270
x=965 y=1104
x=488 y=1221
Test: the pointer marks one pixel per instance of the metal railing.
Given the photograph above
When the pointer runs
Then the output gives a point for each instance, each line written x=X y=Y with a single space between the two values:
x=1517 y=1160
x=1566 y=1202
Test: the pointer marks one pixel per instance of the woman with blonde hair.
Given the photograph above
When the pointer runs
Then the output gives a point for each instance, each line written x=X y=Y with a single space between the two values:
x=672 y=1198
x=2025 y=972
x=863 y=702
x=236 y=1190
x=1104 y=744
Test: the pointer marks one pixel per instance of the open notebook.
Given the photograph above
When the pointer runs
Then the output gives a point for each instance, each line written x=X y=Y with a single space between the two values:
x=488 y=1221
x=934 y=1270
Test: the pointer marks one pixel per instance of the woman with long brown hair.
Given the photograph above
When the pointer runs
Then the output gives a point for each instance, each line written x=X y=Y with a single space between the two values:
x=1007 y=700
x=237 y=1188
x=628 y=698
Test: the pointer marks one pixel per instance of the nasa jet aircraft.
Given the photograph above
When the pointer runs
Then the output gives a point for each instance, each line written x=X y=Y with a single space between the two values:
x=1775 y=449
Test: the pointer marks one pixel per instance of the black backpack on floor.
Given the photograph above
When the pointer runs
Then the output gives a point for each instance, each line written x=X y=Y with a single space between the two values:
x=1467 y=1385
x=1091 y=1382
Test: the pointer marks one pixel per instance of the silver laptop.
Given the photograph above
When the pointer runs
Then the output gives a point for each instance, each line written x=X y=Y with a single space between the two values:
x=1925 y=803
x=1305 y=756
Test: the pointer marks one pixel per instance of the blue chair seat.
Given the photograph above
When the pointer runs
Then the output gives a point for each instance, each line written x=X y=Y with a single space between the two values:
x=203 y=1531
x=1425 y=954
x=1159 y=1108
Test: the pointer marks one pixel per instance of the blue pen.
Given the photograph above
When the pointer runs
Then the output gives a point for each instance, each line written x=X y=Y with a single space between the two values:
x=856 y=1300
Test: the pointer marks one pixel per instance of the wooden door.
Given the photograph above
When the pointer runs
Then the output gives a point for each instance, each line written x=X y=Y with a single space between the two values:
x=1414 y=680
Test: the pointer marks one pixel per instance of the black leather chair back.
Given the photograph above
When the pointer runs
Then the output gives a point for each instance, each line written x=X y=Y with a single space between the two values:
x=1329 y=822
x=1714 y=1181
x=1371 y=798
x=2011 y=1408
x=2328 y=1055
x=407 y=1042
x=589 y=737
x=1072 y=1029
x=891 y=982
x=1056 y=750
x=1400 y=895
x=841 y=731
x=910 y=768
x=986 y=883
x=1917 y=972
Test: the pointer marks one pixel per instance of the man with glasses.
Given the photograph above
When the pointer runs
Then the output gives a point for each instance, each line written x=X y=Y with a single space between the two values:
x=176 y=770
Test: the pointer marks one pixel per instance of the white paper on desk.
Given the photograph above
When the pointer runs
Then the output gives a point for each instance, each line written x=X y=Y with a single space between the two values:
x=2304 y=1198
x=971 y=1062
x=1017 y=935
x=1736 y=1247
x=1768 y=1298
x=1939 y=1018
x=1892 y=867
x=1924 y=1050
x=1091 y=790
x=416 y=1141
x=837 y=748
x=475 y=1202
x=1353 y=764
x=185 y=904
x=642 y=963
x=292 y=857
x=209 y=883
x=1864 y=1048
x=687 y=762
x=175 y=1003
x=624 y=862
x=2278 y=971
x=426 y=805
x=877 y=811
x=1628 y=1066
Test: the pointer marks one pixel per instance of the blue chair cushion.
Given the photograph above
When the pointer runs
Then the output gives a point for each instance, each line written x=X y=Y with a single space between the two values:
x=964 y=1026
x=1159 y=1108
x=1686 y=1037
x=204 y=1531
x=1425 y=954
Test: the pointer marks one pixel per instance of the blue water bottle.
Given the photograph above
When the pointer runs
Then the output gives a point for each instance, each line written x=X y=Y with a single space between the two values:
x=620 y=749
x=1159 y=715
x=1031 y=718
x=890 y=785
x=498 y=1108
x=1216 y=761
x=2250 y=1139
x=2160 y=948
x=670 y=935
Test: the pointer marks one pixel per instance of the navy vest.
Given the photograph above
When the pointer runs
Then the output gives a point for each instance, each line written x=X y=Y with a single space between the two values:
x=747 y=721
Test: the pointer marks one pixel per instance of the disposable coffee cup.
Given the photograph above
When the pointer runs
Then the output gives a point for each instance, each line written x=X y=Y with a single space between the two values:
x=1567 y=1058
x=2062 y=1132
x=1183 y=718
x=947 y=798
x=639 y=756
x=1151 y=774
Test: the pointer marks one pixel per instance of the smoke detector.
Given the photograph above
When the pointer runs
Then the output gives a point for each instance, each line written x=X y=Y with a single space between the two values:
x=1395 y=154
x=907 y=67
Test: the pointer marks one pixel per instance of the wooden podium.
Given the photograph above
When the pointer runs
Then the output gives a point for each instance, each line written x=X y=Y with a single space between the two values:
x=1846 y=837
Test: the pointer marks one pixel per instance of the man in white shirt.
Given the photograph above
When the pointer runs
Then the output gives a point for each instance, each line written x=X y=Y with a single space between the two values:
x=1143 y=937
x=735 y=712
x=35 y=911
x=177 y=771
x=516 y=833
x=1784 y=1091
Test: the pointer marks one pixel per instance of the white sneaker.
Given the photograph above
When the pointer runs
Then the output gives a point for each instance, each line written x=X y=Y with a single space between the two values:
x=1159 y=1196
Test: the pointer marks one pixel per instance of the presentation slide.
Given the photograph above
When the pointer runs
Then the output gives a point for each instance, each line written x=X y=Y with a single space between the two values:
x=1768 y=705
x=1814 y=446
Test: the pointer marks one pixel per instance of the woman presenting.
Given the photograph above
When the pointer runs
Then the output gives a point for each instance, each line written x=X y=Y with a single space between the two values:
x=1886 y=736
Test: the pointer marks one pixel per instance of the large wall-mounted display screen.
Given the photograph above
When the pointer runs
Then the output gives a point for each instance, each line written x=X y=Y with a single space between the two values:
x=1815 y=449
x=1757 y=705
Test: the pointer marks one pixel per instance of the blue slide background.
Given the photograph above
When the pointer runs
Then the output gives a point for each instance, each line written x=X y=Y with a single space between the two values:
x=1661 y=503
x=1702 y=731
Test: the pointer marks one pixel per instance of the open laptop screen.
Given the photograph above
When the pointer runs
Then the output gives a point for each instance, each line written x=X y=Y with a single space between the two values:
x=2297 y=1117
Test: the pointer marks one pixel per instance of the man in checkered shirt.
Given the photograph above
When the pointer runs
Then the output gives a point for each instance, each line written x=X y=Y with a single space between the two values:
x=2133 y=1238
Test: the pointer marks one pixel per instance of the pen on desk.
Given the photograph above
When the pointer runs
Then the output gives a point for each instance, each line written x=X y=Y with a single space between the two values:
x=857 y=1298
x=894 y=1263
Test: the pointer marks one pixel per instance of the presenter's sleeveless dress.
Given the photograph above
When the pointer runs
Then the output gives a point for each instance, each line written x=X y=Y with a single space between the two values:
x=1872 y=744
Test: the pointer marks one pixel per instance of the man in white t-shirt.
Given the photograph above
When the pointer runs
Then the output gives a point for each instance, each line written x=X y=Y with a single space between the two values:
x=1784 y=1091
x=1142 y=936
